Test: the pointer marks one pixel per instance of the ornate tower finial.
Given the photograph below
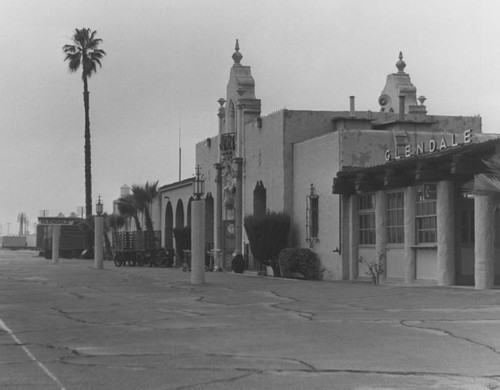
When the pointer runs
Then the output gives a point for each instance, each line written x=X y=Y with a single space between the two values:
x=401 y=64
x=237 y=55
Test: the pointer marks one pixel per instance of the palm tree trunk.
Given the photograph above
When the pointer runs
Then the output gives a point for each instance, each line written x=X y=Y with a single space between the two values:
x=149 y=229
x=88 y=172
x=137 y=223
x=149 y=221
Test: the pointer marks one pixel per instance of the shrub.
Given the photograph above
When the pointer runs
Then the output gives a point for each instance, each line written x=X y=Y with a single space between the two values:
x=375 y=268
x=267 y=235
x=238 y=264
x=300 y=263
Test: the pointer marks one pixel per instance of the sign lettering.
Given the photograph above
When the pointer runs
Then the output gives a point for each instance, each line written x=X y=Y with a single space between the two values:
x=446 y=141
x=430 y=191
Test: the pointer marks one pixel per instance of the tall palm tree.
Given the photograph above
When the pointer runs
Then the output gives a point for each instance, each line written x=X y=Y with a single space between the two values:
x=85 y=53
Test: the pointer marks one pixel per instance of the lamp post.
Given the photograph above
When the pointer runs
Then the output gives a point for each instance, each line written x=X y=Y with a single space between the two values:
x=198 y=229
x=99 y=235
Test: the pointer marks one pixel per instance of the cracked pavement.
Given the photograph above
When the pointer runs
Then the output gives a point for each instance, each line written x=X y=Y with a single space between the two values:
x=69 y=326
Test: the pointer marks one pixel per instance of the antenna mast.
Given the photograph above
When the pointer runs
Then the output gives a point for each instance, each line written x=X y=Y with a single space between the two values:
x=180 y=151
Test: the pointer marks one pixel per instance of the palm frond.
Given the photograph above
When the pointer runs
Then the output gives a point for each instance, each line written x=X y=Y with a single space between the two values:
x=84 y=52
x=493 y=164
x=483 y=185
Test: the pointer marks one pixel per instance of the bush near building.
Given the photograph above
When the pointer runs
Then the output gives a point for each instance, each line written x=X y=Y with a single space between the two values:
x=300 y=263
x=268 y=235
x=238 y=264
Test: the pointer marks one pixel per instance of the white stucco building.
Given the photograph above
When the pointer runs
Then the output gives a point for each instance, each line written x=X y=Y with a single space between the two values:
x=351 y=181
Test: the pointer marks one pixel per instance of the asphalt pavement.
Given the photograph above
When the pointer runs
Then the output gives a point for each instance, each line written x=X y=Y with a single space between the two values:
x=70 y=326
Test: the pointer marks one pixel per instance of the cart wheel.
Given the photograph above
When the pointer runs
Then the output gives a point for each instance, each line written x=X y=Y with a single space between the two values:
x=152 y=259
x=132 y=260
x=118 y=259
x=161 y=258
x=148 y=259
x=139 y=257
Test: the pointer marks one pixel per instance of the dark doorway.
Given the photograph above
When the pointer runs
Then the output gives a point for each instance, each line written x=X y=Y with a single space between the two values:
x=464 y=263
x=169 y=226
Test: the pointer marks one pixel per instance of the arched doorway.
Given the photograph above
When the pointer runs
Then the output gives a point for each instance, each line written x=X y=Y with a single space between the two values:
x=169 y=226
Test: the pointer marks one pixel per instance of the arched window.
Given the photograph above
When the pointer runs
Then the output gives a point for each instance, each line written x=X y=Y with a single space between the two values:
x=231 y=117
x=209 y=220
x=259 y=199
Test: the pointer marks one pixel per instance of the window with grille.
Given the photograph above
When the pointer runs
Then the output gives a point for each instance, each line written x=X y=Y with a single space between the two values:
x=426 y=219
x=395 y=218
x=312 y=217
x=366 y=215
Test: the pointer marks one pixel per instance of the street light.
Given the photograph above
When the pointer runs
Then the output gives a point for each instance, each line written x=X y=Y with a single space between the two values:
x=198 y=230
x=99 y=206
x=98 y=235
x=198 y=184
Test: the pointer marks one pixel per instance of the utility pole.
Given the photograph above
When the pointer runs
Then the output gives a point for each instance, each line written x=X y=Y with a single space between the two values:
x=180 y=151
x=21 y=218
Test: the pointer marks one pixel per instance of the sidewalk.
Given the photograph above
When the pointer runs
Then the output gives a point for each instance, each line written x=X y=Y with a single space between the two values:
x=149 y=328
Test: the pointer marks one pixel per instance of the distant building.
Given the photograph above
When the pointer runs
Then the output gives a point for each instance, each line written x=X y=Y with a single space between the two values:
x=356 y=184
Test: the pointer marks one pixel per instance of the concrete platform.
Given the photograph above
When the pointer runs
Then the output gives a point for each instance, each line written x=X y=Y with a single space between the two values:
x=69 y=326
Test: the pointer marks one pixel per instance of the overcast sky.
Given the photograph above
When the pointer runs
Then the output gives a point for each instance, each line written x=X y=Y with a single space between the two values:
x=168 y=63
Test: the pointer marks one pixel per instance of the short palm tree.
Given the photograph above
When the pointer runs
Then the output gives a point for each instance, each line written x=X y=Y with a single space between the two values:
x=112 y=223
x=127 y=208
x=144 y=196
x=85 y=53
x=486 y=183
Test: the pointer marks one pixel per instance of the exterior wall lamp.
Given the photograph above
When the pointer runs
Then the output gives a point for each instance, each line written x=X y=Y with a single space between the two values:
x=99 y=206
x=198 y=184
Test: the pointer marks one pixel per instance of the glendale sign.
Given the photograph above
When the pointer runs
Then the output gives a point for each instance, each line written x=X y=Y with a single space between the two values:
x=447 y=141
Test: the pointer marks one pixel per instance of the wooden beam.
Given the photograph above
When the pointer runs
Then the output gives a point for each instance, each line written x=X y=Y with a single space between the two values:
x=343 y=186
x=430 y=172
x=397 y=178
x=465 y=165
x=367 y=183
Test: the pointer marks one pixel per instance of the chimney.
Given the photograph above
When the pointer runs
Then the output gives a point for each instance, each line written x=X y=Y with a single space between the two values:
x=352 y=110
x=401 y=107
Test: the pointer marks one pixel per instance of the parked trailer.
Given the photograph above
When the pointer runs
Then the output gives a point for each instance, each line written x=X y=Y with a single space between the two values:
x=72 y=241
x=13 y=242
x=140 y=248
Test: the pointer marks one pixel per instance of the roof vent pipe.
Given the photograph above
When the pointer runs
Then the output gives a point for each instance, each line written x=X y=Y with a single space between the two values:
x=401 y=107
x=352 y=110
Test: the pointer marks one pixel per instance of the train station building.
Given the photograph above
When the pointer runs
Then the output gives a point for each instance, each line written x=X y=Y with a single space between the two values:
x=384 y=184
